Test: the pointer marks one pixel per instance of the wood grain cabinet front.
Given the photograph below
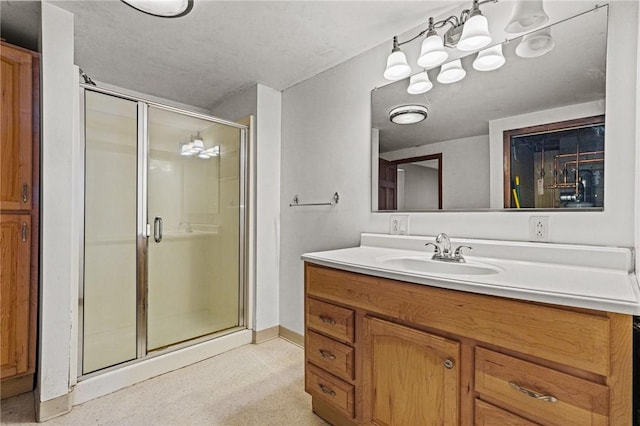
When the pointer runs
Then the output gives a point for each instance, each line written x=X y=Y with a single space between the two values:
x=431 y=356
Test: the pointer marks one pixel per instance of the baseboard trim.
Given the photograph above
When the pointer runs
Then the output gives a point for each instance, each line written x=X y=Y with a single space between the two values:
x=56 y=407
x=266 y=334
x=16 y=386
x=292 y=336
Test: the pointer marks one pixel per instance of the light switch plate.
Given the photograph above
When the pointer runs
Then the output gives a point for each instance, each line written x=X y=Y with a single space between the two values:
x=399 y=224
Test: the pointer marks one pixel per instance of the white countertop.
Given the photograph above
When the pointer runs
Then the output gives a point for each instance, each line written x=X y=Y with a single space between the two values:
x=590 y=277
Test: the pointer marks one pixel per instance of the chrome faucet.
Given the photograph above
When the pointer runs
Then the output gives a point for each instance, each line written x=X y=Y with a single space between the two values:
x=442 y=250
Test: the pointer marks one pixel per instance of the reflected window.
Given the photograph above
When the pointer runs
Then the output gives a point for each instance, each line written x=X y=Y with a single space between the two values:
x=556 y=165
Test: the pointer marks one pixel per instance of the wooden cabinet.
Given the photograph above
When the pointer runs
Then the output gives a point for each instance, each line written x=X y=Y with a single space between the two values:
x=19 y=215
x=423 y=355
x=411 y=376
x=16 y=130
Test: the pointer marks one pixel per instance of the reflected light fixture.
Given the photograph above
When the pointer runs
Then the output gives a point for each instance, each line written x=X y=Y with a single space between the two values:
x=408 y=114
x=419 y=83
x=196 y=147
x=526 y=15
x=489 y=59
x=451 y=72
x=467 y=32
x=536 y=44
x=162 y=8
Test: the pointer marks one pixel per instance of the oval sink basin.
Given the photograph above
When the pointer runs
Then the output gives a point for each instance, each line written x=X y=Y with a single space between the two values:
x=425 y=265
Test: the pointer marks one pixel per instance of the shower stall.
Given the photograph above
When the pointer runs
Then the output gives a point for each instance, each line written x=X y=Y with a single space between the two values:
x=164 y=229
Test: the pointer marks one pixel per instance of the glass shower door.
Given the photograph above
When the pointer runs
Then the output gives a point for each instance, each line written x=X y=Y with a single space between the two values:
x=109 y=290
x=194 y=188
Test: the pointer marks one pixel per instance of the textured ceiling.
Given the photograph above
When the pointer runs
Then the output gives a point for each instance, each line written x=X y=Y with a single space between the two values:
x=222 y=47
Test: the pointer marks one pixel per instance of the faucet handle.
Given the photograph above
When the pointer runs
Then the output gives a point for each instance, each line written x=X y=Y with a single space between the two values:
x=458 y=252
x=436 y=251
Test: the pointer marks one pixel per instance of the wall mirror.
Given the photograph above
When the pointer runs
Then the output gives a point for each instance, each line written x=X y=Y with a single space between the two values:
x=466 y=123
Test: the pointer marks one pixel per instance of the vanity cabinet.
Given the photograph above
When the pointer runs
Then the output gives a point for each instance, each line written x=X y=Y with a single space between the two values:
x=421 y=355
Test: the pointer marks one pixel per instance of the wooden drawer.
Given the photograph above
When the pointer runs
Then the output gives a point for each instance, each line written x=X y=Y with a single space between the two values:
x=522 y=386
x=323 y=385
x=330 y=319
x=330 y=355
x=490 y=415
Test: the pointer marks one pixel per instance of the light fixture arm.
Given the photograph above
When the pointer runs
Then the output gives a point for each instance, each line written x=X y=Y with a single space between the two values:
x=452 y=20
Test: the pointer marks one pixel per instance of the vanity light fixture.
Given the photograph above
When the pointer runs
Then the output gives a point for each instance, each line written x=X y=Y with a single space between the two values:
x=489 y=59
x=526 y=15
x=419 y=83
x=451 y=72
x=195 y=147
x=535 y=44
x=408 y=114
x=468 y=32
x=162 y=8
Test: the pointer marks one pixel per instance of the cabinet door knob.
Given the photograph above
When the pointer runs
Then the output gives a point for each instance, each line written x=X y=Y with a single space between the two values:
x=533 y=394
x=448 y=363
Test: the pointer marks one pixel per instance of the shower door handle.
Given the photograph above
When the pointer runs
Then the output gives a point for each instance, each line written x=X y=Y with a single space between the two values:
x=157 y=229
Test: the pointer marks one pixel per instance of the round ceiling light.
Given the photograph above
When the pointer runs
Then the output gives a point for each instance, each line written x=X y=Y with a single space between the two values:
x=162 y=8
x=408 y=114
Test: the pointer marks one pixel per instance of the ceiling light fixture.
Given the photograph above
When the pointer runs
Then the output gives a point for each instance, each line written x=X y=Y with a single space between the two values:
x=162 y=8
x=408 y=114
x=451 y=72
x=469 y=31
x=195 y=147
x=489 y=59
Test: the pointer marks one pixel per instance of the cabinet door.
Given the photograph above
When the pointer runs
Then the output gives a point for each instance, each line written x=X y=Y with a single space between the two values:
x=410 y=377
x=16 y=129
x=15 y=259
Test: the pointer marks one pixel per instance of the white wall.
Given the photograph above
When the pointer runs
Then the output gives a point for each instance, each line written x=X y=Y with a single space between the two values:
x=465 y=170
x=326 y=148
x=59 y=249
x=265 y=104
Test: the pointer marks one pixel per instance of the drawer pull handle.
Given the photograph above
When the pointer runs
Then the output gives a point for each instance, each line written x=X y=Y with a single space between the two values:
x=327 y=320
x=327 y=355
x=533 y=394
x=25 y=193
x=327 y=390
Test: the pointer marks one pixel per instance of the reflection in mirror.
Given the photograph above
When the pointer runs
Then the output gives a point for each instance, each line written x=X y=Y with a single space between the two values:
x=558 y=165
x=410 y=183
x=465 y=120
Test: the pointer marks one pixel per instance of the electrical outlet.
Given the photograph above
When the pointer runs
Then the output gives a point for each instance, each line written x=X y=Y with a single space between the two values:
x=399 y=224
x=539 y=228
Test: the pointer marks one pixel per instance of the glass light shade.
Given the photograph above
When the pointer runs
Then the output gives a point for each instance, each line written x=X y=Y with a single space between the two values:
x=198 y=144
x=419 y=83
x=408 y=114
x=432 y=52
x=397 y=66
x=451 y=72
x=185 y=150
x=204 y=155
x=526 y=15
x=475 y=34
x=489 y=59
x=536 y=44
x=162 y=8
x=214 y=151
